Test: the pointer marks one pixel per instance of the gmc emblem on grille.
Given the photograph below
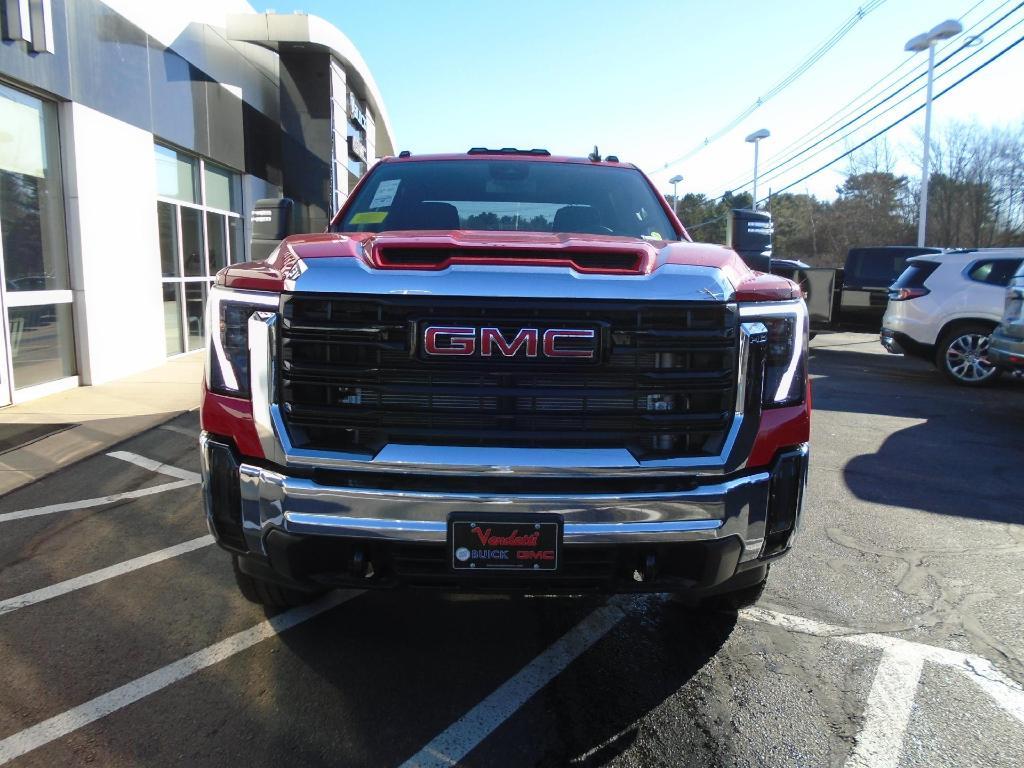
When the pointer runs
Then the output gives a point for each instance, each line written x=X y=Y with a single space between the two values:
x=468 y=341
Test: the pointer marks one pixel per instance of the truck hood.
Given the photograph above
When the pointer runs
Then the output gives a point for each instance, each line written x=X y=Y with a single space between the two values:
x=433 y=251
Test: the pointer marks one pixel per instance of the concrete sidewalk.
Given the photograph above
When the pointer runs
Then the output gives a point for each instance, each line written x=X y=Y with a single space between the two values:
x=104 y=415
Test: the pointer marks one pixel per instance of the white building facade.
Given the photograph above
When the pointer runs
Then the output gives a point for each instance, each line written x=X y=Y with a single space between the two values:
x=134 y=139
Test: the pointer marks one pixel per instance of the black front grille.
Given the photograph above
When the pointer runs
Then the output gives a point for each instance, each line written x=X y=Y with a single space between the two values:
x=663 y=385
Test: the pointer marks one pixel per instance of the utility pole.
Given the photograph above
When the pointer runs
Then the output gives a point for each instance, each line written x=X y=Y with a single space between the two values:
x=922 y=42
x=675 y=198
x=755 y=139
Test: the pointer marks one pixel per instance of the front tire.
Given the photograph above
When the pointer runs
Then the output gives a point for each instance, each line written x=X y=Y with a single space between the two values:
x=962 y=355
x=271 y=596
x=737 y=600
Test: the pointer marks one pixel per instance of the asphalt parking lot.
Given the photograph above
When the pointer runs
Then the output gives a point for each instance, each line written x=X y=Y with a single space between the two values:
x=892 y=636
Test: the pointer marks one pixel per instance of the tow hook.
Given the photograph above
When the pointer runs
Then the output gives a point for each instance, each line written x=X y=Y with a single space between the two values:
x=649 y=569
x=359 y=567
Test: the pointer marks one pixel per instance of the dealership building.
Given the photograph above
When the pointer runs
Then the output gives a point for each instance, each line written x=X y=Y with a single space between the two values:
x=134 y=139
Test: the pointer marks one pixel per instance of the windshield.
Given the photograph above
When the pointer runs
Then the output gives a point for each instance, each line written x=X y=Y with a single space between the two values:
x=508 y=196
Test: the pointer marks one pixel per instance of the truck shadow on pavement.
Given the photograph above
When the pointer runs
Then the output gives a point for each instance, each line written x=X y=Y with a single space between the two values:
x=388 y=672
x=962 y=453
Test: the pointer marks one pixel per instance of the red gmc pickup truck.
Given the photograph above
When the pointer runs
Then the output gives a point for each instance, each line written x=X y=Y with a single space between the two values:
x=503 y=370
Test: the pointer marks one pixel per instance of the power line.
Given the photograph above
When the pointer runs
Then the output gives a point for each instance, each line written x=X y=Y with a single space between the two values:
x=874 y=136
x=879 y=115
x=858 y=101
x=788 y=157
x=910 y=114
x=788 y=80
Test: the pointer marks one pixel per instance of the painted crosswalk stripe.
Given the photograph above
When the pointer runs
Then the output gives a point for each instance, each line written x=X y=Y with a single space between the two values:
x=95 y=577
x=61 y=725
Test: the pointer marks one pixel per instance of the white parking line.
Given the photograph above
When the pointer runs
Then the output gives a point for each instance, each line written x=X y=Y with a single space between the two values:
x=155 y=466
x=887 y=712
x=95 y=577
x=192 y=433
x=891 y=698
x=464 y=734
x=61 y=725
x=186 y=478
x=1007 y=692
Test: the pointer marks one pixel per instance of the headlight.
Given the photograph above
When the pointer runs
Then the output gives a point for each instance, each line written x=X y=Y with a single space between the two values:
x=785 y=374
x=228 y=314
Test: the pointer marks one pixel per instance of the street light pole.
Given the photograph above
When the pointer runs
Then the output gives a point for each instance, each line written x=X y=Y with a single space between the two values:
x=755 y=139
x=927 y=40
x=675 y=198
x=922 y=220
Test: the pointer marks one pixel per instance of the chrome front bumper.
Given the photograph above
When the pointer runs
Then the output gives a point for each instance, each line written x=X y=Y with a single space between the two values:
x=270 y=500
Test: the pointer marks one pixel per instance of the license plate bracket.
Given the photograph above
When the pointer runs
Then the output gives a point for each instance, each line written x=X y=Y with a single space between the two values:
x=488 y=542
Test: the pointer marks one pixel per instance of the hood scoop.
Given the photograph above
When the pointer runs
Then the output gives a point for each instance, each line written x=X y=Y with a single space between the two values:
x=597 y=258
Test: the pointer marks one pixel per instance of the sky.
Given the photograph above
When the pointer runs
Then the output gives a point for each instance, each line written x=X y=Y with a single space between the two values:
x=649 y=80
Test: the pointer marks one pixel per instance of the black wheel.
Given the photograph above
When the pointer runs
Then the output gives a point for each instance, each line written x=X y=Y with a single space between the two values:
x=744 y=597
x=269 y=595
x=732 y=599
x=962 y=355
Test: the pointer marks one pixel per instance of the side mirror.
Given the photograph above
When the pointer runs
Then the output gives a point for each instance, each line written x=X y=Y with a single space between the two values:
x=271 y=223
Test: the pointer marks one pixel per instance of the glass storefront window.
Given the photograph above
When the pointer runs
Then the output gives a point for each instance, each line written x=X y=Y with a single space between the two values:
x=192 y=242
x=237 y=239
x=31 y=199
x=34 y=242
x=167 y=218
x=223 y=188
x=215 y=233
x=42 y=343
x=195 y=301
x=176 y=175
x=172 y=318
x=199 y=235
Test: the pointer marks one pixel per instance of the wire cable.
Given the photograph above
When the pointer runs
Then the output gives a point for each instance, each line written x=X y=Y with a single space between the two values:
x=789 y=160
x=910 y=114
x=788 y=80
x=858 y=102
x=767 y=174
x=874 y=136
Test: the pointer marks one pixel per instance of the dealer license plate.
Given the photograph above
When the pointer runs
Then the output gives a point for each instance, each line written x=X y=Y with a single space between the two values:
x=508 y=543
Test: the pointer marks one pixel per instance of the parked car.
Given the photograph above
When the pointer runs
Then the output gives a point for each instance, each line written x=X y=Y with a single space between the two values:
x=944 y=307
x=865 y=283
x=1006 y=347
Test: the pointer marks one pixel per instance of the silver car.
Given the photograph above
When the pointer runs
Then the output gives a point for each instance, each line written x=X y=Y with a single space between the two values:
x=1006 y=347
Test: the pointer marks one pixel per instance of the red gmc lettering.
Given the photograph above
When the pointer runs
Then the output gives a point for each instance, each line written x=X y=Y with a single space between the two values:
x=456 y=340
x=489 y=337
x=529 y=554
x=552 y=336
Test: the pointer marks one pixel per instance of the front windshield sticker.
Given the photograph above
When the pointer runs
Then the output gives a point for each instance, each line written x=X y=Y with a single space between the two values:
x=385 y=194
x=369 y=217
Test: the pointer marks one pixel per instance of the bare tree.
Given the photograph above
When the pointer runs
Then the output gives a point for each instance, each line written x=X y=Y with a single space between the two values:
x=975 y=192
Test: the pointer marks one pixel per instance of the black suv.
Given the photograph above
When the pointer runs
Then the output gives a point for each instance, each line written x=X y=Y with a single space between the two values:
x=866 y=279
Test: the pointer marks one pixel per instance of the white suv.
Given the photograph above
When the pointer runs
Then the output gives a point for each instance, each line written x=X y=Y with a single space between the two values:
x=945 y=306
